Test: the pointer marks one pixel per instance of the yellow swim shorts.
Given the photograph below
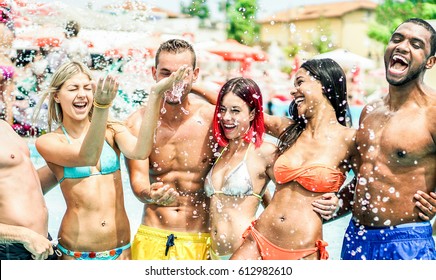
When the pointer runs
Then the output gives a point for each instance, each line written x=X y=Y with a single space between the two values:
x=158 y=244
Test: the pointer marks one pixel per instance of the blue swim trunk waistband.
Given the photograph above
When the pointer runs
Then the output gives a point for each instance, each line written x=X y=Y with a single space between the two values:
x=419 y=230
x=406 y=225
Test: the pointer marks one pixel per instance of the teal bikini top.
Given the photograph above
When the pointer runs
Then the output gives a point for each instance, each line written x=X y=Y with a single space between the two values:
x=109 y=163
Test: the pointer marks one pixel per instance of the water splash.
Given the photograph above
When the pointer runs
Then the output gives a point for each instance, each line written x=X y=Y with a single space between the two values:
x=219 y=206
x=186 y=112
x=292 y=28
x=178 y=89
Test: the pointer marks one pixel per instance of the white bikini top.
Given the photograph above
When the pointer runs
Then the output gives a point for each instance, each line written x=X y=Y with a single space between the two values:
x=237 y=183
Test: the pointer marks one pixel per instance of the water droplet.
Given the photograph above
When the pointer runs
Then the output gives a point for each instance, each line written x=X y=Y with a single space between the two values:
x=371 y=134
x=219 y=206
x=362 y=181
x=391 y=189
x=186 y=112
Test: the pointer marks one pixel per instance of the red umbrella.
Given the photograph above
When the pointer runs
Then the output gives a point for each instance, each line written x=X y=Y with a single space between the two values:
x=48 y=42
x=231 y=50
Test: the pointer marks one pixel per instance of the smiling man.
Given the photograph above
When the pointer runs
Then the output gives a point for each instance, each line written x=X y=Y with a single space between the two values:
x=396 y=142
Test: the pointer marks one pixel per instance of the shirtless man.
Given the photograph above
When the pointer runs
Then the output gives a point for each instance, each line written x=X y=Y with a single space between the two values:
x=396 y=140
x=170 y=182
x=23 y=212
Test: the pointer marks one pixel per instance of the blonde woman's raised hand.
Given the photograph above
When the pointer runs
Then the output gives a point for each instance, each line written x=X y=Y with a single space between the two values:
x=105 y=92
x=177 y=80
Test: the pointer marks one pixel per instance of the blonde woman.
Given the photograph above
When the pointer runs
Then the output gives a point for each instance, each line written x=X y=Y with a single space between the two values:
x=83 y=152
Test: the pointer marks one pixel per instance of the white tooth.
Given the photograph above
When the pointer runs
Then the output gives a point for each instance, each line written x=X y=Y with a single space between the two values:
x=399 y=58
x=299 y=100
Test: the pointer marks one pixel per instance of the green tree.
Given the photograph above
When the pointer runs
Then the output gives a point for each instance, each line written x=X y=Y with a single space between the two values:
x=196 y=8
x=241 y=21
x=391 y=13
x=321 y=40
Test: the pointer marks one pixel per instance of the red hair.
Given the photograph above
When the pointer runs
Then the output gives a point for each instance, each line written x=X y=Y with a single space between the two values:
x=249 y=91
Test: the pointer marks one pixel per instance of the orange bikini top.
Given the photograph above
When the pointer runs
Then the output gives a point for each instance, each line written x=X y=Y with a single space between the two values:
x=314 y=177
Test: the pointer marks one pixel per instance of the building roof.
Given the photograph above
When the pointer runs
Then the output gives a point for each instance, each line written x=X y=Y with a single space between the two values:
x=135 y=5
x=327 y=10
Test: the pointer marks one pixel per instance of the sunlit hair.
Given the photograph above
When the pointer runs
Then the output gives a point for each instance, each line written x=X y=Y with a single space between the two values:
x=334 y=87
x=429 y=28
x=176 y=46
x=249 y=91
x=62 y=74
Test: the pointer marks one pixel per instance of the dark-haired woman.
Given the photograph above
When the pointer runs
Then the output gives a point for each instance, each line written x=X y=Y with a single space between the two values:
x=314 y=153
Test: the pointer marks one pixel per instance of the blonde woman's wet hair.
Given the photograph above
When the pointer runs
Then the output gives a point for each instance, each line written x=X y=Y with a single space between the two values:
x=63 y=74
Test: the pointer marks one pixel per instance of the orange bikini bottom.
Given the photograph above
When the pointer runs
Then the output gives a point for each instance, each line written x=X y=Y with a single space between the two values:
x=269 y=251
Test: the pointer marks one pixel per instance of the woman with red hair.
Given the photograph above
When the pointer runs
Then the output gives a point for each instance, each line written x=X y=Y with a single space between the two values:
x=237 y=183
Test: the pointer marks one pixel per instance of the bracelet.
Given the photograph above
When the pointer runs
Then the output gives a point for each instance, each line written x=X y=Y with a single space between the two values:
x=101 y=106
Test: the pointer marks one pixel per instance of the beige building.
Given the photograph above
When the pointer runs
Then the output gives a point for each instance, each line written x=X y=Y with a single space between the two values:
x=430 y=75
x=339 y=24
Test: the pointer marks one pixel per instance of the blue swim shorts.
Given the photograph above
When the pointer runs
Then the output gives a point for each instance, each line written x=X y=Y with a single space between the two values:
x=411 y=241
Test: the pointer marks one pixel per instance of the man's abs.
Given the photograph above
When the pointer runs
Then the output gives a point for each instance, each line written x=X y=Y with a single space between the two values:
x=382 y=205
x=182 y=218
